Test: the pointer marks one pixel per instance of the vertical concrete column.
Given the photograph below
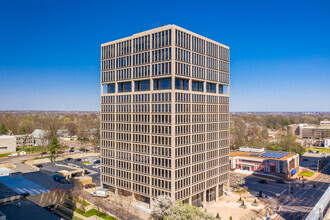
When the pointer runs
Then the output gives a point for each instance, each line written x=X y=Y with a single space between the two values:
x=151 y=204
x=204 y=199
x=190 y=200
x=216 y=192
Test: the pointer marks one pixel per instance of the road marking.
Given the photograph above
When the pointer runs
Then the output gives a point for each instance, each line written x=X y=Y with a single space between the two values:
x=283 y=191
x=296 y=192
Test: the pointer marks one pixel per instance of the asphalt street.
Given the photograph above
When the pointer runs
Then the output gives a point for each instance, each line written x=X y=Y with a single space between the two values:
x=303 y=198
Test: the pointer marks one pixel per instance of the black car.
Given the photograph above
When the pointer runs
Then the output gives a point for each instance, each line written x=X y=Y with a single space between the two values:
x=39 y=166
x=77 y=160
x=305 y=159
x=69 y=158
x=71 y=150
x=263 y=181
x=317 y=152
x=97 y=161
x=43 y=153
x=26 y=194
x=280 y=181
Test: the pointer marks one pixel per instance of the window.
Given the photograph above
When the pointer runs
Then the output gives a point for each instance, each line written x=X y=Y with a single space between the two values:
x=124 y=87
x=210 y=87
x=223 y=89
x=197 y=86
x=108 y=88
x=143 y=85
x=181 y=84
x=164 y=83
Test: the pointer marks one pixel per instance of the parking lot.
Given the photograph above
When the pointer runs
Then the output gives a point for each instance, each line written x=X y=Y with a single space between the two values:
x=93 y=169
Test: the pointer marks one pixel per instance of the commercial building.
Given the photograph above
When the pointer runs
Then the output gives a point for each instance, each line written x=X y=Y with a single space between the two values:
x=7 y=144
x=311 y=131
x=165 y=115
x=257 y=160
x=24 y=140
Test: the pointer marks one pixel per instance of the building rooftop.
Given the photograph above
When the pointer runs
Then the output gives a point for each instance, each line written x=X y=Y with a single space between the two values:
x=270 y=155
x=27 y=211
x=22 y=185
x=161 y=28
x=6 y=192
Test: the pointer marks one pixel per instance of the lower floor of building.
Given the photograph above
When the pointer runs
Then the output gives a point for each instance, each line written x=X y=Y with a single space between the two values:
x=198 y=199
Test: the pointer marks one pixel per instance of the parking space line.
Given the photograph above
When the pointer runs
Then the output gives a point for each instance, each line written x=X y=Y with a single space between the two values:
x=283 y=191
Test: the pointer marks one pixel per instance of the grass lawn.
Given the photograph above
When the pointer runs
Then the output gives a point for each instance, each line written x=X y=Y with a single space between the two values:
x=4 y=155
x=83 y=203
x=308 y=174
x=321 y=149
x=92 y=212
x=241 y=191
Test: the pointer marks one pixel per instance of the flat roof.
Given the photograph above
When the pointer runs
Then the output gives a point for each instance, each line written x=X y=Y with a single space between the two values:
x=6 y=192
x=252 y=155
x=22 y=185
x=27 y=211
x=161 y=28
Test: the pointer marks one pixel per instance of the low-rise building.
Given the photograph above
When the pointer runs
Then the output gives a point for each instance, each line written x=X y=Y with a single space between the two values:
x=27 y=139
x=7 y=144
x=282 y=164
x=40 y=137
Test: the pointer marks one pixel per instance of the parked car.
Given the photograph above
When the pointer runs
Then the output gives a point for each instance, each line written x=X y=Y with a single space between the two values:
x=97 y=161
x=263 y=181
x=69 y=158
x=39 y=166
x=13 y=155
x=87 y=172
x=78 y=160
x=22 y=153
x=77 y=151
x=25 y=194
x=60 y=179
x=317 y=151
x=43 y=153
x=100 y=193
x=86 y=163
x=280 y=181
x=310 y=151
x=71 y=150
x=90 y=185
x=96 y=166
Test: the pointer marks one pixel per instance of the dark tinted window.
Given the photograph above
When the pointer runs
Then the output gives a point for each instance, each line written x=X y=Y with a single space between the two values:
x=210 y=87
x=143 y=85
x=124 y=87
x=181 y=84
x=164 y=83
x=197 y=86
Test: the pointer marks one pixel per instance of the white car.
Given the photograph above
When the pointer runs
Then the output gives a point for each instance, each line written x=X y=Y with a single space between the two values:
x=77 y=151
x=22 y=153
x=13 y=155
x=96 y=166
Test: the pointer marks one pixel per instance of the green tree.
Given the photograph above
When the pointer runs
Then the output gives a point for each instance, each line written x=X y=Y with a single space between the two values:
x=54 y=148
x=285 y=122
x=3 y=129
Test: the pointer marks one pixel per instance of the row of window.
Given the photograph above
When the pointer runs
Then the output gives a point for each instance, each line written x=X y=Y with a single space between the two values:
x=165 y=97
x=165 y=83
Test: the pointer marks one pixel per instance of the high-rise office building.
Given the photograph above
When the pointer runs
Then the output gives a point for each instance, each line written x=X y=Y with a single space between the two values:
x=165 y=115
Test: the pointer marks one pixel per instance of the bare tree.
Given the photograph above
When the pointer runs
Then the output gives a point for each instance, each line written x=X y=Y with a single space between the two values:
x=237 y=181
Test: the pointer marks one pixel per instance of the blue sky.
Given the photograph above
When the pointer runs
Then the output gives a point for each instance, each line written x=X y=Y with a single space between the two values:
x=50 y=50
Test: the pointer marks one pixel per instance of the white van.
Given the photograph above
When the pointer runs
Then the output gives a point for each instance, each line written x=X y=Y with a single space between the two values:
x=22 y=153
x=100 y=193
x=13 y=155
